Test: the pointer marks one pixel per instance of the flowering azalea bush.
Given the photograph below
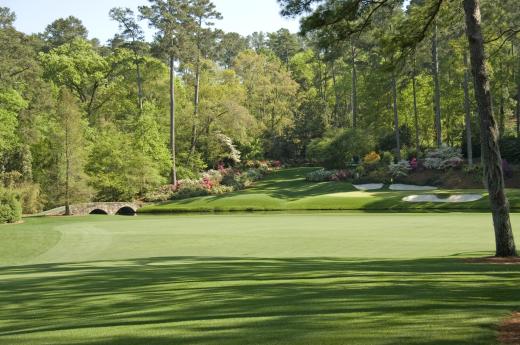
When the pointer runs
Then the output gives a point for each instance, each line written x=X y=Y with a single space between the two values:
x=443 y=158
x=414 y=164
x=400 y=169
x=371 y=158
x=321 y=175
x=341 y=175
x=212 y=182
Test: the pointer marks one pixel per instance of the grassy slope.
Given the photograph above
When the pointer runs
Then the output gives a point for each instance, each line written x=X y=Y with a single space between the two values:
x=288 y=190
x=257 y=279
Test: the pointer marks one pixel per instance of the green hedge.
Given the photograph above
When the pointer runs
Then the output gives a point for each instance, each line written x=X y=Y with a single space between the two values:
x=10 y=207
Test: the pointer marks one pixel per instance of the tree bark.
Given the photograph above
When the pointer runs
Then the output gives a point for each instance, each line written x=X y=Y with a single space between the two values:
x=67 y=168
x=396 y=120
x=437 y=88
x=354 y=85
x=491 y=158
x=139 y=78
x=196 y=102
x=467 y=110
x=172 y=122
x=415 y=113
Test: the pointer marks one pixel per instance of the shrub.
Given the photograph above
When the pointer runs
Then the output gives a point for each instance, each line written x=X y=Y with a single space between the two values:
x=443 y=158
x=10 y=207
x=189 y=189
x=341 y=175
x=254 y=174
x=400 y=169
x=380 y=175
x=414 y=164
x=371 y=158
x=321 y=175
x=163 y=193
x=218 y=190
x=387 y=158
x=232 y=179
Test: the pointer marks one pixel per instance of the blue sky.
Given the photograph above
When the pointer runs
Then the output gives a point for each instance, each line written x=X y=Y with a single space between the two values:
x=243 y=16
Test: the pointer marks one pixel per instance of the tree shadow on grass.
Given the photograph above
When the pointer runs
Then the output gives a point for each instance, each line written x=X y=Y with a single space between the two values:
x=193 y=300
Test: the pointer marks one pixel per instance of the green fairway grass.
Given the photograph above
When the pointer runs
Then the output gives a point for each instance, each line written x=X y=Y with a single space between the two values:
x=306 y=278
x=288 y=190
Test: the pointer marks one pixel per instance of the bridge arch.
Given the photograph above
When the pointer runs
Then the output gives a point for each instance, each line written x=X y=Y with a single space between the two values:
x=98 y=211
x=126 y=211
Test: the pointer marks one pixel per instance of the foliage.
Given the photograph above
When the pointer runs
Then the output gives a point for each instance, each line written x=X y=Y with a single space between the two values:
x=10 y=208
x=321 y=175
x=339 y=149
x=510 y=149
x=443 y=158
x=371 y=158
x=190 y=188
x=400 y=169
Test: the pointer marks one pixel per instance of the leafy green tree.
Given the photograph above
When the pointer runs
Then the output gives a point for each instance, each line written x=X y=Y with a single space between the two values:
x=284 y=44
x=131 y=32
x=70 y=145
x=270 y=92
x=7 y=18
x=64 y=30
x=77 y=66
x=230 y=44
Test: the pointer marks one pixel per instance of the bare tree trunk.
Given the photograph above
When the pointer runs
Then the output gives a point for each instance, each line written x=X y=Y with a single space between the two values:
x=437 y=91
x=172 y=121
x=195 y=107
x=518 y=110
x=139 y=82
x=467 y=110
x=491 y=158
x=396 y=119
x=354 y=85
x=67 y=168
x=415 y=113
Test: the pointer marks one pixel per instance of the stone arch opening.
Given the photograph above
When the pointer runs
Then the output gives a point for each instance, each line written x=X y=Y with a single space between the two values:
x=126 y=211
x=98 y=211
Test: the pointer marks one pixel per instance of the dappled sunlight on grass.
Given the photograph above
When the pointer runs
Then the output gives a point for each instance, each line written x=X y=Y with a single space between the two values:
x=192 y=300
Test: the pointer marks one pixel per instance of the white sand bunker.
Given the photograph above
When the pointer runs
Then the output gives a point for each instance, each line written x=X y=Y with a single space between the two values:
x=411 y=187
x=451 y=199
x=369 y=186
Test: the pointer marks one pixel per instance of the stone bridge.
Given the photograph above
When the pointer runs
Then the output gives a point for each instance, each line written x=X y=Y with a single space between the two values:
x=109 y=208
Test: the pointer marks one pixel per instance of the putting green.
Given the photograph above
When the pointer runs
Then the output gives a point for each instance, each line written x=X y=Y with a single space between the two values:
x=303 y=278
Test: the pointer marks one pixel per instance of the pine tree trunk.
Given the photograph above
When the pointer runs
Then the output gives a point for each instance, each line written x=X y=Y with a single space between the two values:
x=467 y=110
x=196 y=102
x=491 y=158
x=139 y=82
x=172 y=122
x=415 y=113
x=67 y=168
x=354 y=85
x=396 y=120
x=437 y=90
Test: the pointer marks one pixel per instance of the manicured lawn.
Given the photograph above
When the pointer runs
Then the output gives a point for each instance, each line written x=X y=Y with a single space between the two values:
x=287 y=190
x=320 y=278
